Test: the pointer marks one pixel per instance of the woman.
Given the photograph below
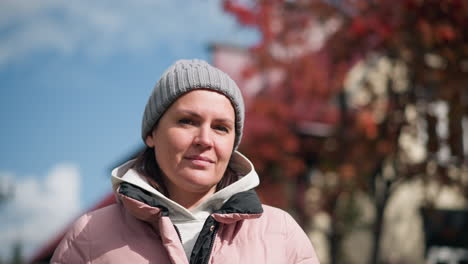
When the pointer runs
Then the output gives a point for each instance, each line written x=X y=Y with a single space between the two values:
x=188 y=198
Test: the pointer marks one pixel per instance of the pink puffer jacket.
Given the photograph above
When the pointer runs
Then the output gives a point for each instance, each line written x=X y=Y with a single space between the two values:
x=138 y=230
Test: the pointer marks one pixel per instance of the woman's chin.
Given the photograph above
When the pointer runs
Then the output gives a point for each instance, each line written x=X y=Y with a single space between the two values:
x=197 y=181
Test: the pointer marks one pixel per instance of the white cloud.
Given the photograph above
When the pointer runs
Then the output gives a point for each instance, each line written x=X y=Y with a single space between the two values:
x=100 y=28
x=39 y=208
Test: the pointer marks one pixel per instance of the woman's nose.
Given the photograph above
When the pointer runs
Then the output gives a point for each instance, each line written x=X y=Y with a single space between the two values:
x=204 y=137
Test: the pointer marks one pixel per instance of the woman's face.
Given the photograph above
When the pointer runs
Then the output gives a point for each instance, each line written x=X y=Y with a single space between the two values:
x=194 y=140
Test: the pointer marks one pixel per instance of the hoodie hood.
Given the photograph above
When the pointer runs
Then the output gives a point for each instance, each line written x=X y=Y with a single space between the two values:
x=247 y=180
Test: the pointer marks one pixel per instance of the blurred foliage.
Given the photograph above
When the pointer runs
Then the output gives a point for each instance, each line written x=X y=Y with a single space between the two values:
x=401 y=119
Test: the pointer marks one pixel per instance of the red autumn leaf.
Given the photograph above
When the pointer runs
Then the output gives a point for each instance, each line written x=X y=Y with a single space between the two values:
x=445 y=33
x=358 y=27
x=244 y=15
x=366 y=122
x=347 y=172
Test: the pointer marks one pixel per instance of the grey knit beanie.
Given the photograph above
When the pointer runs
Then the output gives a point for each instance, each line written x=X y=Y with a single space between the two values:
x=184 y=76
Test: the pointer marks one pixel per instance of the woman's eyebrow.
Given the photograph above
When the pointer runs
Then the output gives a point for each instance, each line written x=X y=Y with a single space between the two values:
x=195 y=114
x=188 y=112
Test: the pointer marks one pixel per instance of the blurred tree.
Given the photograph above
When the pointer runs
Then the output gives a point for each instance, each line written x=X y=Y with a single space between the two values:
x=17 y=253
x=403 y=118
x=6 y=190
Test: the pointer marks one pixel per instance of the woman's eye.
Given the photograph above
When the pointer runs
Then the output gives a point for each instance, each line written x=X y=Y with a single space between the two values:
x=185 y=121
x=222 y=128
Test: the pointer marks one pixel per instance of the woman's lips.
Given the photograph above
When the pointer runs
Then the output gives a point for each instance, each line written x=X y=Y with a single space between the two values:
x=200 y=160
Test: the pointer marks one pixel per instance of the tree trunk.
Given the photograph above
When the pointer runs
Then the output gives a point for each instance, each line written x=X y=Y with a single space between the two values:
x=334 y=239
x=378 y=227
x=381 y=201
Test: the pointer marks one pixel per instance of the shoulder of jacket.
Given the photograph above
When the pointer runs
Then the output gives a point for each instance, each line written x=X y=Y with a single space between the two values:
x=271 y=211
x=297 y=243
x=92 y=220
x=281 y=219
x=275 y=218
x=75 y=246
x=106 y=211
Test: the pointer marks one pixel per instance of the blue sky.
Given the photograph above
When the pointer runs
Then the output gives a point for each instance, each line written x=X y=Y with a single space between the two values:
x=74 y=79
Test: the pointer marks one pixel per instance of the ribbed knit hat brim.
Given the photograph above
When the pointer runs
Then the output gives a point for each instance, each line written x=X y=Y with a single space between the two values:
x=185 y=76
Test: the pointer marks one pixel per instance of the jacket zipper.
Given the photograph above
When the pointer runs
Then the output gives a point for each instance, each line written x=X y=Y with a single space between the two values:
x=213 y=237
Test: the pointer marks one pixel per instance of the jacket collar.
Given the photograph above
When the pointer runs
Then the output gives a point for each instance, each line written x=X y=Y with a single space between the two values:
x=145 y=206
x=145 y=202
